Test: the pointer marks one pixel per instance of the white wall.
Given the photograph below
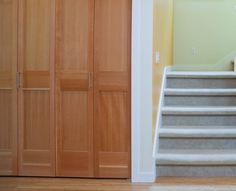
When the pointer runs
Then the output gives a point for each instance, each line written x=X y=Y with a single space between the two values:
x=143 y=165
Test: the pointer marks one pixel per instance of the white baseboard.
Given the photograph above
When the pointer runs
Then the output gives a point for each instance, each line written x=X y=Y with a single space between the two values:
x=144 y=177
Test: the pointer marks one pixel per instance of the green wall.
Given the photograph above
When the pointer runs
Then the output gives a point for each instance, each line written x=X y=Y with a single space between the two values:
x=204 y=34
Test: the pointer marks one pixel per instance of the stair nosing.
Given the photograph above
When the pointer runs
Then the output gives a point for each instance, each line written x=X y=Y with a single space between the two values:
x=203 y=75
x=207 y=158
x=196 y=133
x=203 y=92
x=195 y=127
x=169 y=110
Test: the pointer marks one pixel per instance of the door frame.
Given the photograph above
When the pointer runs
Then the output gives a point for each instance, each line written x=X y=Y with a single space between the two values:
x=143 y=164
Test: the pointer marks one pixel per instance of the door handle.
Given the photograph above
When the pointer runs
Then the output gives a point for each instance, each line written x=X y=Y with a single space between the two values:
x=90 y=80
x=18 y=80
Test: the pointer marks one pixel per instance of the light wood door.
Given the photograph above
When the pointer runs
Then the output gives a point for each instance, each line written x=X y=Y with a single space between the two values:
x=8 y=92
x=112 y=43
x=74 y=97
x=36 y=93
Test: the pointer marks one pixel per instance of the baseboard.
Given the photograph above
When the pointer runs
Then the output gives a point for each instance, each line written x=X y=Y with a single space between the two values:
x=144 y=177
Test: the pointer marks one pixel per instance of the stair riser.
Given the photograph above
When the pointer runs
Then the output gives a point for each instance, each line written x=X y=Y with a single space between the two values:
x=196 y=171
x=200 y=101
x=200 y=83
x=198 y=120
x=197 y=143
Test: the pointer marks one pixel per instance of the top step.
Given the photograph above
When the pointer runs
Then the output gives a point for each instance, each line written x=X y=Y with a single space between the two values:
x=171 y=74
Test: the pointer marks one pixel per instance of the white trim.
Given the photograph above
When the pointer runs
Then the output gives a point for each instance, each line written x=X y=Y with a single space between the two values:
x=199 y=92
x=143 y=165
x=235 y=64
x=197 y=157
x=225 y=132
x=176 y=74
x=202 y=110
x=159 y=116
x=143 y=177
x=136 y=17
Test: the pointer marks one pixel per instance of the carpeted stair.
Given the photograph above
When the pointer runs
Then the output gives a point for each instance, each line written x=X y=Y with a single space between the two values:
x=197 y=134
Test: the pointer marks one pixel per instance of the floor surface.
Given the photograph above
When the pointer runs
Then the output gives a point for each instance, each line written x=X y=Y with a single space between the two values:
x=74 y=184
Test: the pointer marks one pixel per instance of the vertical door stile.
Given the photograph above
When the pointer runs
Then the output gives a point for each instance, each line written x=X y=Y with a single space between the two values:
x=14 y=97
x=52 y=86
x=20 y=71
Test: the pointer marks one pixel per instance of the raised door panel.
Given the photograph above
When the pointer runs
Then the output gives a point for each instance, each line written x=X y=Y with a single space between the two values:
x=112 y=62
x=74 y=93
x=8 y=92
x=36 y=95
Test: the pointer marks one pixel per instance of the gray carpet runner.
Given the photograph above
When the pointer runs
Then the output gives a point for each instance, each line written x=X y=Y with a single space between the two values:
x=197 y=135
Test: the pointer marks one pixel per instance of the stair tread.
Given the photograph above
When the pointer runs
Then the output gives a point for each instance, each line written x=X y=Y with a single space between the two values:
x=185 y=91
x=198 y=132
x=178 y=110
x=213 y=75
x=196 y=157
x=196 y=127
x=198 y=151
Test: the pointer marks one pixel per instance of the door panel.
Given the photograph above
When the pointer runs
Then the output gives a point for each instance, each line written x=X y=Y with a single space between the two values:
x=8 y=92
x=73 y=18
x=112 y=88
x=36 y=35
x=36 y=117
x=36 y=130
x=75 y=134
x=74 y=101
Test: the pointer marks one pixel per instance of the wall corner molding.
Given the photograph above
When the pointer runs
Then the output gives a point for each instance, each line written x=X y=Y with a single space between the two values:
x=143 y=163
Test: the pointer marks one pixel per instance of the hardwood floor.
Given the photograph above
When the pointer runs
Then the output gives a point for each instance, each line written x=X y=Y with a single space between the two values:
x=71 y=184
x=197 y=181
x=74 y=184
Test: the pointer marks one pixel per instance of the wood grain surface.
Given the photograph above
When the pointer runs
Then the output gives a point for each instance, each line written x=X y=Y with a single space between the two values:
x=74 y=184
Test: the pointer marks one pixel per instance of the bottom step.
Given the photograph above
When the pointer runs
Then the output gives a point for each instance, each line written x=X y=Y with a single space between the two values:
x=196 y=171
x=196 y=163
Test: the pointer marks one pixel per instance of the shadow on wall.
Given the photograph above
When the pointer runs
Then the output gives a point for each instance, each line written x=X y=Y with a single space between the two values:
x=225 y=63
x=163 y=43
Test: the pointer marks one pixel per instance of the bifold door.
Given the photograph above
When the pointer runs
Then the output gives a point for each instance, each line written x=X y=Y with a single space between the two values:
x=112 y=44
x=93 y=87
x=36 y=96
x=74 y=87
x=65 y=88
x=8 y=92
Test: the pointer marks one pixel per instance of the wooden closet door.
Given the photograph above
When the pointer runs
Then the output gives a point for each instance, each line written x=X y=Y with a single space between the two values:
x=8 y=92
x=74 y=105
x=112 y=44
x=36 y=120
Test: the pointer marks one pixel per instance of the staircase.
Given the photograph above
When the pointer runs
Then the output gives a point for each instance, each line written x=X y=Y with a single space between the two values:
x=196 y=130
